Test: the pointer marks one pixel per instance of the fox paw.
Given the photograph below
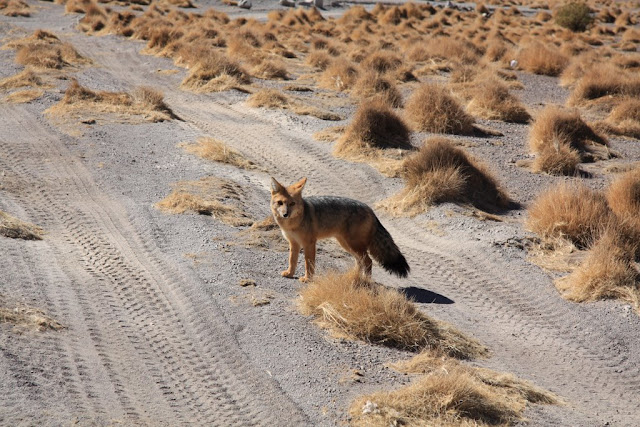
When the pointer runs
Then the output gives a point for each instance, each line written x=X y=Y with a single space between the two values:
x=287 y=273
x=305 y=279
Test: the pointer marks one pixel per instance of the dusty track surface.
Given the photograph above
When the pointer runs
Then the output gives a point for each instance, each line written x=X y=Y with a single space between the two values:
x=156 y=337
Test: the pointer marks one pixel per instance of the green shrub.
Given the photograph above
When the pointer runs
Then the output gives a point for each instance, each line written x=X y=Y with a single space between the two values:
x=574 y=16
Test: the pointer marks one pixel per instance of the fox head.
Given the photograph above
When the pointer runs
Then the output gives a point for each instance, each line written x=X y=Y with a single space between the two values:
x=286 y=202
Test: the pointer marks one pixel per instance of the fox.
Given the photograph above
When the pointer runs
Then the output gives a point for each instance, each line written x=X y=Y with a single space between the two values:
x=304 y=221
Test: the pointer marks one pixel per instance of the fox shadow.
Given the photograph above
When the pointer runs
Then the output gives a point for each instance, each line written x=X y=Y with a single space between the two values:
x=425 y=296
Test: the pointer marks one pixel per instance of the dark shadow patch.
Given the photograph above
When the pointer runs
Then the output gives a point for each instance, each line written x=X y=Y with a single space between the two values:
x=424 y=296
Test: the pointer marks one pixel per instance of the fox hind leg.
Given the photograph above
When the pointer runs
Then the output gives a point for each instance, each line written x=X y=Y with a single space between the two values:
x=363 y=260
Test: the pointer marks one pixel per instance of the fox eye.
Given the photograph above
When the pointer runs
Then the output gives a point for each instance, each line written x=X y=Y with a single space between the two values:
x=279 y=202
x=292 y=203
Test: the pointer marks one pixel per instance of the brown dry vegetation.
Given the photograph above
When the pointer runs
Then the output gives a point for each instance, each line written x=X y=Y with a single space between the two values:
x=355 y=307
x=16 y=229
x=569 y=211
x=25 y=78
x=440 y=172
x=623 y=120
x=14 y=8
x=274 y=99
x=432 y=108
x=623 y=196
x=217 y=151
x=542 y=59
x=145 y=101
x=24 y=96
x=450 y=394
x=23 y=316
x=492 y=100
x=46 y=51
x=561 y=140
x=371 y=84
x=605 y=81
x=339 y=75
x=217 y=197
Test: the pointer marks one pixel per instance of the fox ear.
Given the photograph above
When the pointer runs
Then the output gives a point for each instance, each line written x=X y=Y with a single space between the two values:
x=298 y=186
x=276 y=187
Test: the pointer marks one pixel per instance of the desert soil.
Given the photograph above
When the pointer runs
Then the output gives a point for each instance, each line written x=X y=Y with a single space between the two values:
x=158 y=329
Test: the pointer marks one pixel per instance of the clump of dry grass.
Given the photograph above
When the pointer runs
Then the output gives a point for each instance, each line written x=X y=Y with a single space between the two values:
x=217 y=151
x=432 y=108
x=214 y=72
x=561 y=139
x=339 y=75
x=272 y=98
x=569 y=211
x=271 y=69
x=610 y=270
x=24 y=316
x=16 y=229
x=217 y=197
x=145 y=101
x=25 y=78
x=451 y=394
x=623 y=196
x=381 y=62
x=624 y=119
x=374 y=126
x=318 y=59
x=371 y=84
x=542 y=59
x=440 y=172
x=605 y=81
x=14 y=8
x=353 y=306
x=24 y=96
x=45 y=50
x=492 y=100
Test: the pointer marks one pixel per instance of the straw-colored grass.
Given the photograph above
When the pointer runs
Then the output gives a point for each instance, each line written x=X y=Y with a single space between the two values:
x=538 y=58
x=23 y=316
x=16 y=229
x=623 y=196
x=561 y=139
x=450 y=394
x=339 y=75
x=610 y=270
x=275 y=99
x=352 y=306
x=145 y=101
x=217 y=151
x=14 y=8
x=44 y=50
x=492 y=100
x=605 y=81
x=25 y=78
x=569 y=211
x=371 y=84
x=212 y=196
x=214 y=72
x=623 y=120
x=432 y=108
x=440 y=172
x=24 y=96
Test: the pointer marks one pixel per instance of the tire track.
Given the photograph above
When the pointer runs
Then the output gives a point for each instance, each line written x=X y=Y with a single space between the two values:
x=203 y=374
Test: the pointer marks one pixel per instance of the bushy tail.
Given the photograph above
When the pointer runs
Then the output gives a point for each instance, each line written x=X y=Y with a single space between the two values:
x=384 y=250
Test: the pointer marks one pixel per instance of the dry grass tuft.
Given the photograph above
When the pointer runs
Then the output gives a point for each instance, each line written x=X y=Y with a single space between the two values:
x=271 y=69
x=329 y=134
x=610 y=270
x=492 y=100
x=561 y=139
x=440 y=172
x=24 y=96
x=624 y=119
x=23 y=316
x=273 y=98
x=374 y=126
x=339 y=75
x=214 y=72
x=217 y=197
x=605 y=81
x=218 y=151
x=45 y=50
x=569 y=211
x=432 y=108
x=623 y=196
x=451 y=394
x=371 y=84
x=145 y=101
x=542 y=59
x=25 y=78
x=14 y=8
x=15 y=229
x=355 y=307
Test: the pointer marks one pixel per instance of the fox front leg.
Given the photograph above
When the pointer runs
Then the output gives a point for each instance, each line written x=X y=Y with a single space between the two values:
x=309 y=262
x=294 y=251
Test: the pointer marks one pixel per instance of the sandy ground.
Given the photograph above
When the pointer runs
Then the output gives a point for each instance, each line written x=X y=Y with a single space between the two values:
x=158 y=330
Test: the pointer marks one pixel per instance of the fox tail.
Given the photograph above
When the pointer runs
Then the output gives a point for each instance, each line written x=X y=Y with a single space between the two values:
x=384 y=250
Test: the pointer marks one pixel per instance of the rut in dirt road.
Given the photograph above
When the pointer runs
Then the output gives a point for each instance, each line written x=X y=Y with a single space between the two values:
x=141 y=344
